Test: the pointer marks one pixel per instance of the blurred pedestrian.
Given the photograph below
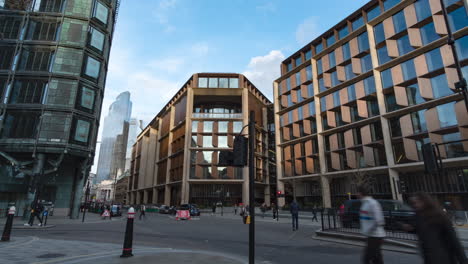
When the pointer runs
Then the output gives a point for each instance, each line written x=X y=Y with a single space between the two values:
x=36 y=212
x=294 y=208
x=235 y=209
x=314 y=214
x=263 y=209
x=437 y=238
x=142 y=211
x=372 y=226
x=213 y=209
x=274 y=209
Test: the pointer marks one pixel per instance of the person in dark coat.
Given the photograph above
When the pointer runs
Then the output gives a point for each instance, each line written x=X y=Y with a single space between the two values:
x=314 y=214
x=274 y=208
x=437 y=238
x=294 y=208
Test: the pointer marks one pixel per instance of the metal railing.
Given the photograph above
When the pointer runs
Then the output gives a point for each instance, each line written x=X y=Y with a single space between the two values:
x=332 y=220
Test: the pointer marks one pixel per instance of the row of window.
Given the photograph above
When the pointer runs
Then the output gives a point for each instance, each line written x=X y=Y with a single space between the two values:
x=212 y=82
x=219 y=126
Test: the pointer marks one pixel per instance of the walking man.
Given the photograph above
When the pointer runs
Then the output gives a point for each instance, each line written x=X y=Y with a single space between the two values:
x=142 y=211
x=274 y=209
x=314 y=214
x=36 y=212
x=235 y=209
x=372 y=226
x=294 y=208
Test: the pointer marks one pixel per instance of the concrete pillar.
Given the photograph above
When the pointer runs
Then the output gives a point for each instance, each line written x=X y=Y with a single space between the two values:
x=167 y=195
x=279 y=152
x=394 y=178
x=154 y=199
x=326 y=196
x=78 y=192
x=245 y=117
x=280 y=186
x=138 y=197
x=145 y=196
x=188 y=137
x=267 y=195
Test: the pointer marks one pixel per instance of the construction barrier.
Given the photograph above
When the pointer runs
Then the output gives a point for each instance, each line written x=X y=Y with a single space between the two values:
x=182 y=214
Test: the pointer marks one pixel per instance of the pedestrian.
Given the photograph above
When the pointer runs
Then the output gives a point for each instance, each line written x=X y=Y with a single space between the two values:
x=372 y=226
x=437 y=238
x=142 y=211
x=294 y=208
x=274 y=209
x=245 y=213
x=213 y=208
x=314 y=214
x=235 y=209
x=36 y=212
x=263 y=209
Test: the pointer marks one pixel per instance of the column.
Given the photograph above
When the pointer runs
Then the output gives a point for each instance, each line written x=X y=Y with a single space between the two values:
x=188 y=135
x=245 y=116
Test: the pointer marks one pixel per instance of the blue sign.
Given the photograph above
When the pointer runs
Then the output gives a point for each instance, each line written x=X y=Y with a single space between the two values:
x=45 y=213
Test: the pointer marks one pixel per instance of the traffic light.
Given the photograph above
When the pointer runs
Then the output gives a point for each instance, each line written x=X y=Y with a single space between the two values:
x=238 y=156
x=279 y=194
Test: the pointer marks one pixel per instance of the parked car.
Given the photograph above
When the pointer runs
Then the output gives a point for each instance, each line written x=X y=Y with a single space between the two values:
x=164 y=209
x=395 y=213
x=172 y=210
x=116 y=210
x=194 y=211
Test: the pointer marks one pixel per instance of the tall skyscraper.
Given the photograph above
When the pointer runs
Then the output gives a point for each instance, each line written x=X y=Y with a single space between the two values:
x=53 y=60
x=134 y=129
x=114 y=138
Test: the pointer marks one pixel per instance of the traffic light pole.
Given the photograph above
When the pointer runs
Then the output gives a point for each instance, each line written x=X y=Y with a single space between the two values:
x=252 y=187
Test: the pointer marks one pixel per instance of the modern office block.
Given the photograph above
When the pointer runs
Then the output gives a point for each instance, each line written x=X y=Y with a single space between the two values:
x=175 y=157
x=53 y=62
x=357 y=103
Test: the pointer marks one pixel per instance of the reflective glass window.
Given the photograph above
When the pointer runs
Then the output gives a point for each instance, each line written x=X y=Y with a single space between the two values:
x=194 y=126
x=382 y=54
x=363 y=42
x=413 y=94
x=207 y=126
x=308 y=54
x=386 y=77
x=434 y=60
x=446 y=116
x=309 y=73
x=213 y=82
x=334 y=78
x=312 y=108
x=298 y=78
x=346 y=51
x=82 y=129
x=96 y=39
x=223 y=83
x=461 y=45
x=207 y=142
x=237 y=126
x=440 y=86
x=288 y=84
x=310 y=90
x=223 y=126
x=298 y=61
x=203 y=82
x=207 y=157
x=419 y=121
x=373 y=13
x=349 y=71
x=369 y=85
x=299 y=96
x=332 y=59
x=366 y=63
x=101 y=12
x=351 y=93
x=300 y=115
x=87 y=97
x=357 y=23
x=330 y=40
x=428 y=33
x=423 y=10
x=233 y=83
x=92 y=68
x=289 y=66
x=404 y=45
x=379 y=33
x=222 y=142
x=343 y=32
x=336 y=99
x=290 y=102
x=458 y=18
x=323 y=104
x=318 y=48
x=319 y=66
x=321 y=83
x=390 y=3
x=399 y=22
x=409 y=72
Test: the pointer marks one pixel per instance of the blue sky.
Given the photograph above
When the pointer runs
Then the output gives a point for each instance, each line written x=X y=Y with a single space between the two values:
x=158 y=44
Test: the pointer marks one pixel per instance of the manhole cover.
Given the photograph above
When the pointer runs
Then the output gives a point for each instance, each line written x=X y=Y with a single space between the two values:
x=51 y=255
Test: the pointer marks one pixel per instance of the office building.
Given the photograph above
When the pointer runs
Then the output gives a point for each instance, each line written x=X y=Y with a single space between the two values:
x=175 y=157
x=357 y=104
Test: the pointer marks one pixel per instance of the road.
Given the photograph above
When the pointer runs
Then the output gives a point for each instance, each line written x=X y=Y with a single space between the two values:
x=275 y=241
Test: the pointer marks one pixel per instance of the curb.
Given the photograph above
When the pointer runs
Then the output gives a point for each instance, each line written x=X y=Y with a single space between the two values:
x=32 y=227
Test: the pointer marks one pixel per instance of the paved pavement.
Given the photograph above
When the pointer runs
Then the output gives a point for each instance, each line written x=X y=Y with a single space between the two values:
x=211 y=239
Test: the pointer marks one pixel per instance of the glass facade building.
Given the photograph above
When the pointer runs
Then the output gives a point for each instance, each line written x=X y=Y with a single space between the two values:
x=175 y=158
x=54 y=58
x=380 y=91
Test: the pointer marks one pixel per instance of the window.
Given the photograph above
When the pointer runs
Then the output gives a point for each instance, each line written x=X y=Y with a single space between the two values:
x=308 y=55
x=332 y=59
x=289 y=66
x=369 y=85
x=237 y=126
x=363 y=42
x=35 y=59
x=222 y=142
x=20 y=124
x=233 y=83
x=373 y=108
x=423 y=10
x=207 y=126
x=206 y=157
x=207 y=142
x=81 y=131
x=321 y=83
x=428 y=33
x=96 y=39
x=298 y=61
x=310 y=90
x=440 y=86
x=336 y=99
x=409 y=72
x=27 y=92
x=357 y=23
x=194 y=126
x=10 y=26
x=55 y=6
x=288 y=84
x=366 y=63
x=434 y=60
x=446 y=116
x=343 y=32
x=298 y=78
x=399 y=22
x=373 y=13
x=395 y=128
x=349 y=71
x=414 y=97
x=382 y=54
x=101 y=12
x=309 y=73
x=299 y=96
x=6 y=54
x=41 y=29
x=312 y=108
x=458 y=19
x=223 y=83
x=319 y=67
x=330 y=40
x=203 y=82
x=223 y=127
x=323 y=104
x=390 y=3
x=351 y=93
x=404 y=45
x=92 y=68
x=334 y=78
x=86 y=98
x=289 y=97
x=300 y=115
x=461 y=45
x=419 y=121
x=387 y=80
x=379 y=33
x=213 y=83
x=346 y=51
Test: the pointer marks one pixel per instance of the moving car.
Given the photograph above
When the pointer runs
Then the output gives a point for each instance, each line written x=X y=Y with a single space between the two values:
x=116 y=210
x=164 y=209
x=395 y=213
x=194 y=211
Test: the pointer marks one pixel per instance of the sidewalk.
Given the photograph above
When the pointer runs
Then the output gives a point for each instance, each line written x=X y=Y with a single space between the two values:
x=41 y=251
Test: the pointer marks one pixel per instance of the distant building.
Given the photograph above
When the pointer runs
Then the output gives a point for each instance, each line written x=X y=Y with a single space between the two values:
x=114 y=138
x=121 y=189
x=53 y=62
x=135 y=127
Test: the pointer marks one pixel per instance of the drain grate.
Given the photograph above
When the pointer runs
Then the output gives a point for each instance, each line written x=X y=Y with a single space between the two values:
x=51 y=255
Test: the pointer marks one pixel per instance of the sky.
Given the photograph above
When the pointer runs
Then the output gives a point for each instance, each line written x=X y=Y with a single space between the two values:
x=159 y=44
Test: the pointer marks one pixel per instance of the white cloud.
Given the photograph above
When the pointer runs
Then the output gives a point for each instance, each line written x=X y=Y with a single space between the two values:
x=169 y=64
x=162 y=13
x=263 y=70
x=308 y=30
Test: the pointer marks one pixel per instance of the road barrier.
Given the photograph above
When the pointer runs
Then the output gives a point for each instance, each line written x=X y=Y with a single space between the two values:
x=8 y=224
x=128 y=240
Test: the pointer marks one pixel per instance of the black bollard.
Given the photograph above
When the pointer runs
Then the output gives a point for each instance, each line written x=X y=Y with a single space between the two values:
x=8 y=224
x=127 y=246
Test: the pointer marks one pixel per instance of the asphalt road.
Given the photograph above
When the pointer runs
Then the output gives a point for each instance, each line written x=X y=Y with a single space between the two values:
x=275 y=242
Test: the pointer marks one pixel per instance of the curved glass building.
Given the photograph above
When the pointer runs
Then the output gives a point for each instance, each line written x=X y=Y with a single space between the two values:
x=53 y=62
